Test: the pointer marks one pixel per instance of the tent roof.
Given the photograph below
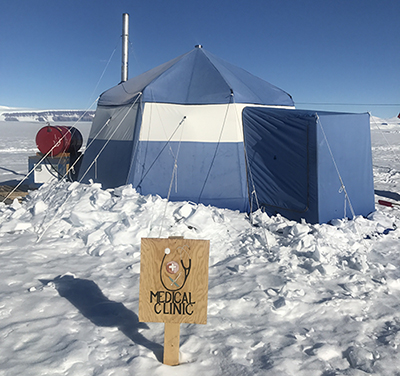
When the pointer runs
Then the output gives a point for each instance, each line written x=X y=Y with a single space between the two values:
x=197 y=77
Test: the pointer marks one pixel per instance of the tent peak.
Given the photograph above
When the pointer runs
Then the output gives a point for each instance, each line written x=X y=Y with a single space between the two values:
x=198 y=46
x=197 y=77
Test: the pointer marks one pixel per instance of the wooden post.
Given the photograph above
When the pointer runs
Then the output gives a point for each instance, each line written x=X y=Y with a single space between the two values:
x=171 y=344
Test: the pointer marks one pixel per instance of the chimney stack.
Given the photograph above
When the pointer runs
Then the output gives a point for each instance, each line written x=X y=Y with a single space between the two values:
x=125 y=41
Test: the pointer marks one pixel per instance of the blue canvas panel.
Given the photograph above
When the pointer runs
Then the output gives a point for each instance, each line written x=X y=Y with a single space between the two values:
x=127 y=92
x=196 y=77
x=248 y=88
x=297 y=156
x=110 y=143
x=280 y=157
x=193 y=80
x=348 y=146
x=115 y=123
x=209 y=173
x=112 y=165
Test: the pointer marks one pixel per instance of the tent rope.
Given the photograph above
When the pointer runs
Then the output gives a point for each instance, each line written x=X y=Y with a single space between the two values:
x=135 y=148
x=218 y=143
x=162 y=149
x=89 y=107
x=90 y=143
x=253 y=193
x=104 y=71
x=174 y=176
x=249 y=177
x=95 y=88
x=80 y=156
x=94 y=161
x=109 y=138
x=45 y=156
x=161 y=120
x=384 y=137
x=343 y=187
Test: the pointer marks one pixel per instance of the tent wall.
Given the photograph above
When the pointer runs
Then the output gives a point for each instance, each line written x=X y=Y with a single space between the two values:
x=281 y=154
x=207 y=144
x=200 y=178
x=344 y=148
x=296 y=157
x=110 y=146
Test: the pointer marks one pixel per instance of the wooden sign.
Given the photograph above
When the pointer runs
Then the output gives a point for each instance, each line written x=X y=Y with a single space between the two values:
x=173 y=286
x=174 y=280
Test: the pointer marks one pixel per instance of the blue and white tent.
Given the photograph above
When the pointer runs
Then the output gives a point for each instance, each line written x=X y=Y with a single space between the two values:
x=188 y=130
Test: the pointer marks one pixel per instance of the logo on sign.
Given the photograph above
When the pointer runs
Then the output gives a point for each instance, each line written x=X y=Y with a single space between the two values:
x=174 y=272
x=175 y=268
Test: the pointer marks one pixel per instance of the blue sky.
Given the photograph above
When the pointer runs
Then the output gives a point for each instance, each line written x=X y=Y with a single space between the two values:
x=322 y=52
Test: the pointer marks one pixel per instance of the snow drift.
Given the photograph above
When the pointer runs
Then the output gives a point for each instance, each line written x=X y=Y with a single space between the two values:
x=285 y=298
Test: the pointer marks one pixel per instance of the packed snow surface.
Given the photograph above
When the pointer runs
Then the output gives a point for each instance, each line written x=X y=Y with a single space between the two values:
x=285 y=298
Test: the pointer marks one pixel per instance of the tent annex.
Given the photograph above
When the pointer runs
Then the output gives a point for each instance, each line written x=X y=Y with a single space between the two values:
x=310 y=164
x=180 y=131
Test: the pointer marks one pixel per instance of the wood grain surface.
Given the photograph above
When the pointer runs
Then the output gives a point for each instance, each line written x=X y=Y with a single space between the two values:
x=174 y=280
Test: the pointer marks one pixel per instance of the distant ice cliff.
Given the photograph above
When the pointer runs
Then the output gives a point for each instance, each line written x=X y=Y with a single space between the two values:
x=47 y=115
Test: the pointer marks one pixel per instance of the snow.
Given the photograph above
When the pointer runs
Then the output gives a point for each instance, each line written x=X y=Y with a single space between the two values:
x=285 y=298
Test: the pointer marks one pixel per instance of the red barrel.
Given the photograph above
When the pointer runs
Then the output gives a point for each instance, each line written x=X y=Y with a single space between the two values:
x=58 y=139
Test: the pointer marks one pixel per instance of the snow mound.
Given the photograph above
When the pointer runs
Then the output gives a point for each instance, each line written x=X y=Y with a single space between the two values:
x=285 y=298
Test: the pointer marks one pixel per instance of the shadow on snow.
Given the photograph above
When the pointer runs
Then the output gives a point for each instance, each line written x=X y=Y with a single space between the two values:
x=388 y=194
x=12 y=171
x=87 y=297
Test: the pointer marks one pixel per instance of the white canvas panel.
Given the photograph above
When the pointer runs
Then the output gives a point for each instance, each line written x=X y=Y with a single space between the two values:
x=201 y=123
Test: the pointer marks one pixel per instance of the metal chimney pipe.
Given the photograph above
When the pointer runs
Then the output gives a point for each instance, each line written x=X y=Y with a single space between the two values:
x=125 y=41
